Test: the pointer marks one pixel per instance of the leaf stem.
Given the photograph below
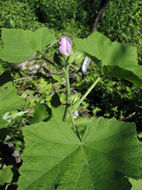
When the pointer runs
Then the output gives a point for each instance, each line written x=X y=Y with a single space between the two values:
x=86 y=94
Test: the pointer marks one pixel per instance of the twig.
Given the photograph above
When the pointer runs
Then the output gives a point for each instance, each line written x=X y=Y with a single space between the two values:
x=101 y=10
x=131 y=115
x=25 y=78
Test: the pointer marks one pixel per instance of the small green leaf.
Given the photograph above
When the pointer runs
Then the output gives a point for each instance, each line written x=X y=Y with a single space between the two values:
x=6 y=175
x=3 y=123
x=9 y=100
x=40 y=113
x=21 y=45
x=55 y=158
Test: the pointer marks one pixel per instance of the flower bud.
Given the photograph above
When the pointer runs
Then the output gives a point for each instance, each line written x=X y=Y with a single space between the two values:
x=78 y=58
x=65 y=45
x=70 y=59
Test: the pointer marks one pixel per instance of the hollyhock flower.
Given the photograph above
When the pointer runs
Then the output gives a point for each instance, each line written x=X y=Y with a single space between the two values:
x=65 y=45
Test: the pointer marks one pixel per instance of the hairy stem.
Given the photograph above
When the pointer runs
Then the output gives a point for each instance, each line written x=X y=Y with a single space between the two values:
x=86 y=94
x=68 y=108
x=73 y=122
x=68 y=92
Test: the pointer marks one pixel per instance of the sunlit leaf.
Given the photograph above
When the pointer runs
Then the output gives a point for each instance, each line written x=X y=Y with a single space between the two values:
x=6 y=175
x=118 y=60
x=54 y=158
x=21 y=45
x=9 y=100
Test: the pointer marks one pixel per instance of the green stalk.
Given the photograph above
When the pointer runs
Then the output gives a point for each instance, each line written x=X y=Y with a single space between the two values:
x=68 y=92
x=68 y=104
x=73 y=122
x=86 y=94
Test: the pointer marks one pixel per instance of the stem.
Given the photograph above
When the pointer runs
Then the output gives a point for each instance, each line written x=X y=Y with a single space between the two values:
x=73 y=123
x=68 y=105
x=68 y=93
x=86 y=94
x=101 y=10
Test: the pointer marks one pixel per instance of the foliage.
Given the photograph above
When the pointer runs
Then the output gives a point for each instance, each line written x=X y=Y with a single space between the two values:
x=122 y=21
x=119 y=98
x=66 y=162
x=136 y=184
x=6 y=175
x=16 y=51
x=61 y=153
x=69 y=16
x=117 y=60
x=9 y=98
x=17 y=14
x=40 y=88
x=40 y=113
x=75 y=18
x=10 y=101
x=116 y=94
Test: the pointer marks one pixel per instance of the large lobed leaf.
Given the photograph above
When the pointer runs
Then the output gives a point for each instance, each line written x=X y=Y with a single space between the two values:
x=21 y=45
x=54 y=158
x=118 y=60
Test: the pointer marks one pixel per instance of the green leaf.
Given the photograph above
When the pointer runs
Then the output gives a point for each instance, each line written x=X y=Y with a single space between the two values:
x=3 y=123
x=118 y=60
x=6 y=175
x=40 y=113
x=54 y=158
x=21 y=45
x=58 y=112
x=136 y=184
x=9 y=100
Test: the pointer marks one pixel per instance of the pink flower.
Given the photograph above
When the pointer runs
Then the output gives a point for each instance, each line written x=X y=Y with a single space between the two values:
x=65 y=45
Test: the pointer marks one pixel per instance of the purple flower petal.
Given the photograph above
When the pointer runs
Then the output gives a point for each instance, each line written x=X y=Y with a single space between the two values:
x=65 y=45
